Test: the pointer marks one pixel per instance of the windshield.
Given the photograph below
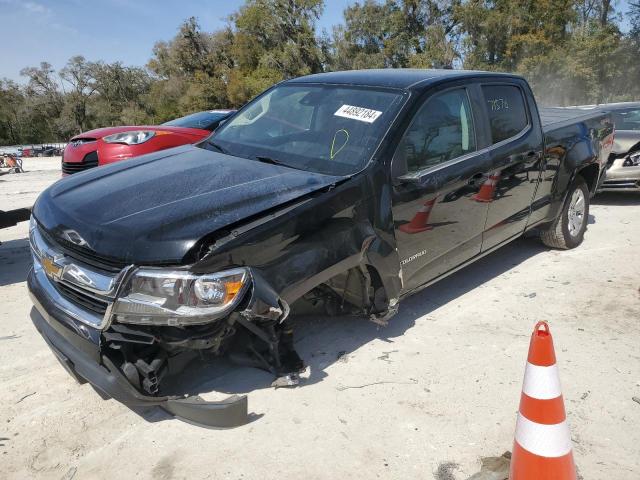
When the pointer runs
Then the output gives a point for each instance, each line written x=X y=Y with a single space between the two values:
x=329 y=129
x=202 y=120
x=628 y=120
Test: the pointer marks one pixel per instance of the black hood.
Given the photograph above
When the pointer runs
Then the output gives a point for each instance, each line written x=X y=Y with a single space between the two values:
x=155 y=208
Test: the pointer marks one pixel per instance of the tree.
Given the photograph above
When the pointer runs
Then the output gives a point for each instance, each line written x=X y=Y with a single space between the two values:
x=119 y=89
x=273 y=40
x=79 y=75
x=44 y=103
x=11 y=106
x=191 y=71
x=393 y=34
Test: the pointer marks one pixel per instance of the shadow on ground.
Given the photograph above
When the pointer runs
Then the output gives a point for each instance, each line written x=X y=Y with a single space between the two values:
x=322 y=341
x=15 y=261
x=617 y=198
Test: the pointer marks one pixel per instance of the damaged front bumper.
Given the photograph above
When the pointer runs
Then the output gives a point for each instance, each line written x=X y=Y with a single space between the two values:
x=77 y=347
x=622 y=176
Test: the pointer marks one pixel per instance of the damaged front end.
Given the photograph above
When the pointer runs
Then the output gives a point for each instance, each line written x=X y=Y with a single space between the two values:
x=165 y=319
x=130 y=332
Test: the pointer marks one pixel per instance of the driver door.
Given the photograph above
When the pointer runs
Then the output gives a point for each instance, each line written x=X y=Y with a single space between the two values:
x=438 y=169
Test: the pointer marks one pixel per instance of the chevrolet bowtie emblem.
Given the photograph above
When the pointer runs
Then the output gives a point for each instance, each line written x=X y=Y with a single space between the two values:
x=74 y=237
x=52 y=269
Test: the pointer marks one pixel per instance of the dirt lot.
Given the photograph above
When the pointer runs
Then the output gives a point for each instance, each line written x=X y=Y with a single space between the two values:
x=426 y=397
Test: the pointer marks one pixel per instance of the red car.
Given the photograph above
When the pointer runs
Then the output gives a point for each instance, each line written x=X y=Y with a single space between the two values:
x=113 y=144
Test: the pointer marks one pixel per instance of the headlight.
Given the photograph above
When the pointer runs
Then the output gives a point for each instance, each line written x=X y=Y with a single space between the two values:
x=130 y=138
x=632 y=161
x=178 y=298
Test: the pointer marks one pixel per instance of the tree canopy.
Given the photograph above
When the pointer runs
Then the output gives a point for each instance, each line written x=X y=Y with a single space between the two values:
x=571 y=51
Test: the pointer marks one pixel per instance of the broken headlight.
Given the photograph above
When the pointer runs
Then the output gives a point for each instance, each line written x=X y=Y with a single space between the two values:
x=179 y=298
x=632 y=161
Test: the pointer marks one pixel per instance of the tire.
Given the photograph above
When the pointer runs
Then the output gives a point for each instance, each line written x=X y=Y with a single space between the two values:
x=567 y=231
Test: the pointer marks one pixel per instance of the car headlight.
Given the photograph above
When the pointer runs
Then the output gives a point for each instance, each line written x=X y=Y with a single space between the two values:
x=130 y=138
x=179 y=298
x=632 y=161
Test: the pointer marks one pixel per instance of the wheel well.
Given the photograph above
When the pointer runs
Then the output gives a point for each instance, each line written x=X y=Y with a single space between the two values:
x=590 y=175
x=358 y=289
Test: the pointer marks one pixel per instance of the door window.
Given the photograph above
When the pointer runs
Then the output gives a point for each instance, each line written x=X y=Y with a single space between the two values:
x=441 y=130
x=507 y=111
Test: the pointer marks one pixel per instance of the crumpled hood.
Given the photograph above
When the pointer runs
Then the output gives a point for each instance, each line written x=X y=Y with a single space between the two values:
x=153 y=209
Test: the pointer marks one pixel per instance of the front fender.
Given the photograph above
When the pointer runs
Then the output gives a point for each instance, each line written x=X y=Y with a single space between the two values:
x=315 y=239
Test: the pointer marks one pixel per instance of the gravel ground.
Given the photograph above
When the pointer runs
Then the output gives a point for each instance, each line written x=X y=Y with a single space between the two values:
x=426 y=397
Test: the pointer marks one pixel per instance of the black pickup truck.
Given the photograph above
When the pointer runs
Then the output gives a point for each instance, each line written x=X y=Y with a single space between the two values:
x=352 y=189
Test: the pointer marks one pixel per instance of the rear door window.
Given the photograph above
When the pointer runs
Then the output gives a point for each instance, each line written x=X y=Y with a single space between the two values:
x=507 y=111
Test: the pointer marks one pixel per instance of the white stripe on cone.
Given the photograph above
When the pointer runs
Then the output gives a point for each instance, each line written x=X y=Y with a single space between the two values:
x=543 y=440
x=542 y=383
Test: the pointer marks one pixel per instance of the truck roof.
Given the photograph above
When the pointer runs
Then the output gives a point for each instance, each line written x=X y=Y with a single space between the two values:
x=400 y=78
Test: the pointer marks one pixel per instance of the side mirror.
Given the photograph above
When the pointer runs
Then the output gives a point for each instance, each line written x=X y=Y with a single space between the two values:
x=424 y=181
x=408 y=179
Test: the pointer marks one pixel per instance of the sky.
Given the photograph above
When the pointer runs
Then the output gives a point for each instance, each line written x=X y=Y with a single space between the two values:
x=109 y=30
x=112 y=30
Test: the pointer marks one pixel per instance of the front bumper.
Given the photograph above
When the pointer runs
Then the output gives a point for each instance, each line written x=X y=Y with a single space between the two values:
x=77 y=347
x=620 y=177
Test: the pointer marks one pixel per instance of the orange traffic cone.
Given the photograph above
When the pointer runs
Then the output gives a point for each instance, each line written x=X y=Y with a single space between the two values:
x=542 y=447
x=419 y=221
x=487 y=189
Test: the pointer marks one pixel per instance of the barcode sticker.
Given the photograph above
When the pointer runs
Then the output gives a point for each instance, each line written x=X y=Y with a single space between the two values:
x=358 y=113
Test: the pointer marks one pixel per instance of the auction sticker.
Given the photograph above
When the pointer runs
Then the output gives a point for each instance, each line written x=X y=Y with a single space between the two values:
x=358 y=113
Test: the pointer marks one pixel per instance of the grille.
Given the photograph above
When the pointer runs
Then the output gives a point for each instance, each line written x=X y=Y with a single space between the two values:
x=97 y=300
x=83 y=299
x=85 y=255
x=90 y=160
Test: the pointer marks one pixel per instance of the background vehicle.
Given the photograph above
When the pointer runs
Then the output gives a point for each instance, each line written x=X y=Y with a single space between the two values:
x=44 y=151
x=348 y=189
x=113 y=144
x=623 y=172
x=41 y=150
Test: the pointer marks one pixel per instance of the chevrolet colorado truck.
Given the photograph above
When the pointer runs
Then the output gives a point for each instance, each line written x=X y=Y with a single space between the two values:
x=352 y=188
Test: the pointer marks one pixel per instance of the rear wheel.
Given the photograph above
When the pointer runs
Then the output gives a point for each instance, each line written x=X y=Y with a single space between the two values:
x=568 y=229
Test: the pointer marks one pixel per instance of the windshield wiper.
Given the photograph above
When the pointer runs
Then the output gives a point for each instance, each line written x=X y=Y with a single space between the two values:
x=217 y=147
x=274 y=161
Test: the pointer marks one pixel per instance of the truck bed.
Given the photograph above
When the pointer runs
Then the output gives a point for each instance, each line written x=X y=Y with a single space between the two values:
x=553 y=118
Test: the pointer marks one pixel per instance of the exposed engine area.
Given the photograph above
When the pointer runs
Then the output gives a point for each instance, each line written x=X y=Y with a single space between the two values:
x=148 y=354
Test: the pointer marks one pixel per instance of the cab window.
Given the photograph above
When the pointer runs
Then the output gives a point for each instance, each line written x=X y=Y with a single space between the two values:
x=441 y=131
x=507 y=111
